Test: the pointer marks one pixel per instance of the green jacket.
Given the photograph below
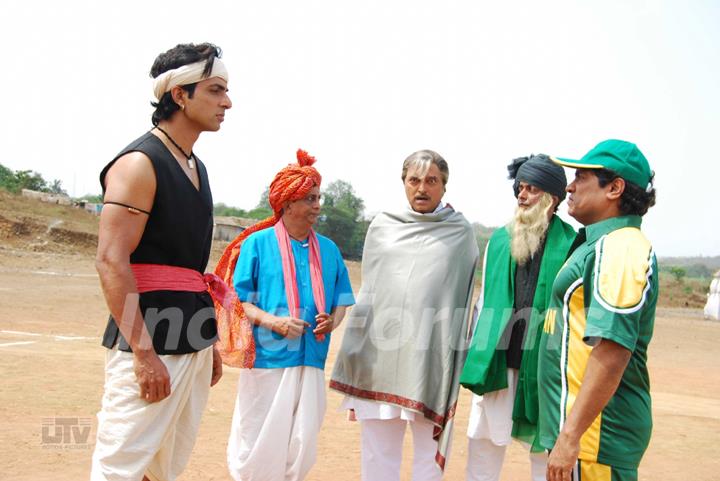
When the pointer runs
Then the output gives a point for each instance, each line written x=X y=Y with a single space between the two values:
x=485 y=369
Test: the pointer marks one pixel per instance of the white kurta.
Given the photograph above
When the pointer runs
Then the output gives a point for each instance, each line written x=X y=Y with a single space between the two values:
x=490 y=433
x=491 y=413
x=137 y=438
x=278 y=414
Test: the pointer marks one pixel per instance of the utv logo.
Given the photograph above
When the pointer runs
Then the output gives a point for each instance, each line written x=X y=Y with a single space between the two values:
x=66 y=433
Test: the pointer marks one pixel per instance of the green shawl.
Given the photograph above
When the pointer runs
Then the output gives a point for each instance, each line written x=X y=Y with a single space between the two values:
x=485 y=369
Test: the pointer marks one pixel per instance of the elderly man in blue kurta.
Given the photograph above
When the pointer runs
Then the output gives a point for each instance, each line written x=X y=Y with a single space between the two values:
x=258 y=280
x=294 y=287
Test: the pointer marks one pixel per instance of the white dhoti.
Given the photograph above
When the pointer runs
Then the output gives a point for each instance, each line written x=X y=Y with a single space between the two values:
x=383 y=429
x=490 y=432
x=278 y=414
x=136 y=438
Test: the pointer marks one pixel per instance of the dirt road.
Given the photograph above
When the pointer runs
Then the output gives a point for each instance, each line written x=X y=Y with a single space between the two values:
x=52 y=315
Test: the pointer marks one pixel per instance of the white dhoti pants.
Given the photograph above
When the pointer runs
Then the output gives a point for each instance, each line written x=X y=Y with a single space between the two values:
x=490 y=432
x=278 y=414
x=136 y=438
x=383 y=429
x=382 y=443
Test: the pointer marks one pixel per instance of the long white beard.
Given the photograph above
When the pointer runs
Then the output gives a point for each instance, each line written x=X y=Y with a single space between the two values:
x=528 y=229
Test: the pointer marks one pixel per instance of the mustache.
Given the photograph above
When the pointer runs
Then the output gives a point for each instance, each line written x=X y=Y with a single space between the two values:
x=533 y=214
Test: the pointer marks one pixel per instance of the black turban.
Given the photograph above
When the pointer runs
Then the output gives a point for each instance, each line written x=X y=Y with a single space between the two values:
x=540 y=171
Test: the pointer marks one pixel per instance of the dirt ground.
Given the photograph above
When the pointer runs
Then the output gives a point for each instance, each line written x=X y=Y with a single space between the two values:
x=52 y=315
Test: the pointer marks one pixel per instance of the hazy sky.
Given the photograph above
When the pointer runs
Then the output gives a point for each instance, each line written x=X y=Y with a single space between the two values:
x=361 y=85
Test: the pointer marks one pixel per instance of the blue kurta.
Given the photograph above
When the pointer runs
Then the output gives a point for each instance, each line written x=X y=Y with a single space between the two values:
x=258 y=279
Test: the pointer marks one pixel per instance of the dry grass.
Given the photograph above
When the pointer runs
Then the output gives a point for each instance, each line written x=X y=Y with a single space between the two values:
x=690 y=293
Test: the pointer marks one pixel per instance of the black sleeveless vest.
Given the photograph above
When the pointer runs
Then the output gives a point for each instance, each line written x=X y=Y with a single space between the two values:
x=178 y=233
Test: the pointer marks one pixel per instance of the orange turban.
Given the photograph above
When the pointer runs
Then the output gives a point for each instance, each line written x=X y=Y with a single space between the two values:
x=294 y=182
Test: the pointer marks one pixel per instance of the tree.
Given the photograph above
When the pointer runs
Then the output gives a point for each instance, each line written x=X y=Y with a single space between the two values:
x=699 y=271
x=55 y=187
x=342 y=219
x=8 y=181
x=358 y=239
x=264 y=202
x=222 y=210
x=678 y=273
x=341 y=194
x=24 y=179
x=259 y=213
x=28 y=179
x=340 y=227
x=263 y=209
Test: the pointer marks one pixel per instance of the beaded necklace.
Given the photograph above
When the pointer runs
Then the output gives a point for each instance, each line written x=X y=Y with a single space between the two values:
x=190 y=157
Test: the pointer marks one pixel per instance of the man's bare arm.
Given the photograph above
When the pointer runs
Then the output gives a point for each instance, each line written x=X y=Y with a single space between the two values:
x=604 y=371
x=131 y=181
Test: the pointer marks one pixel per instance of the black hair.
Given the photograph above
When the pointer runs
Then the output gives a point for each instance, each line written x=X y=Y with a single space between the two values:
x=634 y=200
x=181 y=54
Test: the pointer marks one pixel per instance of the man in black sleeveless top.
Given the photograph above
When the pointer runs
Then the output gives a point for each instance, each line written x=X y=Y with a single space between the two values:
x=153 y=246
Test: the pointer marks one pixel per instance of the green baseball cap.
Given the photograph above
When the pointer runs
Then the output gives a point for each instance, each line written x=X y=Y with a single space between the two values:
x=623 y=158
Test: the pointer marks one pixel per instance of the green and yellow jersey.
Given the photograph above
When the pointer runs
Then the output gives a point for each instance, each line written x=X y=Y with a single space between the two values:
x=607 y=289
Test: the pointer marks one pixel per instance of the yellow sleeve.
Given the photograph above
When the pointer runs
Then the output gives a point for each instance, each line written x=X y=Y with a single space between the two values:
x=622 y=269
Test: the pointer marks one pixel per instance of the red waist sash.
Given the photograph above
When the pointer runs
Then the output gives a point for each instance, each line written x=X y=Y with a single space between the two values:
x=235 y=340
x=157 y=277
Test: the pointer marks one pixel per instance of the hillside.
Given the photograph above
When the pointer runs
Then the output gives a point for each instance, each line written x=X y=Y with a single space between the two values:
x=698 y=266
x=31 y=225
x=712 y=262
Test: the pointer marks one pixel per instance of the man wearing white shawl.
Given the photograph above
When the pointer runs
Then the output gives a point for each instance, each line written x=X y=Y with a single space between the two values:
x=405 y=341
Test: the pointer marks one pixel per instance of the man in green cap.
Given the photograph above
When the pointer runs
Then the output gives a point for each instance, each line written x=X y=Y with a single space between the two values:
x=595 y=415
x=521 y=261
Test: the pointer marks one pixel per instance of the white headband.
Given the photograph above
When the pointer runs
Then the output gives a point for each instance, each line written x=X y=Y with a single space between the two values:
x=187 y=74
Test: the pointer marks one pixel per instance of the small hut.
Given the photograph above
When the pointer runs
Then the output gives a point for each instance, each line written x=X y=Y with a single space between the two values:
x=228 y=228
x=47 y=197
x=712 y=307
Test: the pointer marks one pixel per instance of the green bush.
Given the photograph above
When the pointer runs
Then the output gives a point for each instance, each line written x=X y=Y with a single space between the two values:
x=15 y=181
